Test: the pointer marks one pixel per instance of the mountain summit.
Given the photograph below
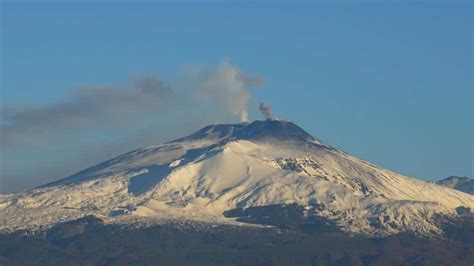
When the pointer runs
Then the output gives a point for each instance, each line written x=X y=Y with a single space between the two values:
x=233 y=174
x=257 y=130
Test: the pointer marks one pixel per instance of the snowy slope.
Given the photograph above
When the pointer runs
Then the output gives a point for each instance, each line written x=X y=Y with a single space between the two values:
x=223 y=167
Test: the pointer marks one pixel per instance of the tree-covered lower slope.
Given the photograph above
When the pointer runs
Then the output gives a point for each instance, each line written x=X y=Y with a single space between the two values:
x=88 y=242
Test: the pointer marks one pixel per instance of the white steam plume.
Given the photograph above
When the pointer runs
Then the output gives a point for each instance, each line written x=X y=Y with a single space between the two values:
x=228 y=88
x=244 y=117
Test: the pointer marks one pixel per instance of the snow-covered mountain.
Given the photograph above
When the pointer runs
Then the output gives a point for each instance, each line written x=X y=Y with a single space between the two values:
x=228 y=167
x=464 y=184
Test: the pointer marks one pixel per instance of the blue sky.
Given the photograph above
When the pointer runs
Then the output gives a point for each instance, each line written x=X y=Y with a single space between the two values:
x=388 y=82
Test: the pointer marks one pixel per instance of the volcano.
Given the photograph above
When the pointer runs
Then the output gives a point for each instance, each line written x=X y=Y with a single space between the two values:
x=250 y=174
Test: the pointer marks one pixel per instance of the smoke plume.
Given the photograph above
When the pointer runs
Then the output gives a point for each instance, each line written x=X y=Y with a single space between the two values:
x=96 y=122
x=266 y=111
x=224 y=90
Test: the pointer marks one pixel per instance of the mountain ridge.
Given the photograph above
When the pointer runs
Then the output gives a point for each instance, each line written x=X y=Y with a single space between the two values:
x=464 y=184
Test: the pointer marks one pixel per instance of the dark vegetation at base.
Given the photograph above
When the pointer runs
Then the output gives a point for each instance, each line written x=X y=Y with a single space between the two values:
x=88 y=242
x=460 y=228
x=289 y=216
x=71 y=229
